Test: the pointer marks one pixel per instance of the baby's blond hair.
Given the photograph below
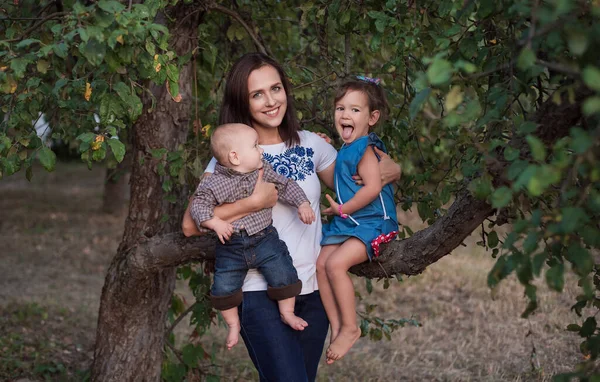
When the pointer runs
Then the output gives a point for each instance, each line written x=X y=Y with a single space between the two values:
x=223 y=140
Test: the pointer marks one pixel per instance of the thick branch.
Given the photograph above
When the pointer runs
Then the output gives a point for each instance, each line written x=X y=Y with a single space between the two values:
x=410 y=256
x=171 y=250
x=413 y=255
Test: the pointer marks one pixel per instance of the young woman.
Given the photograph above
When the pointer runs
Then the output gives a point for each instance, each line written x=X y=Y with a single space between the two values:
x=258 y=94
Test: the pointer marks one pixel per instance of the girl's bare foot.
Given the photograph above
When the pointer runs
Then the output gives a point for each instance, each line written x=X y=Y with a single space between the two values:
x=334 y=334
x=293 y=321
x=342 y=343
x=233 y=335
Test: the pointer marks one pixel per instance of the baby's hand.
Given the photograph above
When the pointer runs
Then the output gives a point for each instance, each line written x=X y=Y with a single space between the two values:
x=306 y=213
x=223 y=229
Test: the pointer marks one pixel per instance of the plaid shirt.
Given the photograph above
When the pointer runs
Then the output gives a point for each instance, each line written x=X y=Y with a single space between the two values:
x=227 y=186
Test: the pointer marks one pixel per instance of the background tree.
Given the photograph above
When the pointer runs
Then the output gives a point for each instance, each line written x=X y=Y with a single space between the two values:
x=494 y=109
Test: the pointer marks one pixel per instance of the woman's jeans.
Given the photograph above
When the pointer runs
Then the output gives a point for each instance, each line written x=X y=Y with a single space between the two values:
x=279 y=352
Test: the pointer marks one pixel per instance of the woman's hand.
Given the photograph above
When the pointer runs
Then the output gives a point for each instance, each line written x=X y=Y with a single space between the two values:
x=264 y=194
x=390 y=170
x=325 y=137
x=333 y=208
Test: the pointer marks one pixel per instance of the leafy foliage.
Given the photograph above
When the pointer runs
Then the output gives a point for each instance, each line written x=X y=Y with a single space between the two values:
x=467 y=82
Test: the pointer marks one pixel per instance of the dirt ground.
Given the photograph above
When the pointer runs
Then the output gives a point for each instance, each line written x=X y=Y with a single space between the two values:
x=55 y=247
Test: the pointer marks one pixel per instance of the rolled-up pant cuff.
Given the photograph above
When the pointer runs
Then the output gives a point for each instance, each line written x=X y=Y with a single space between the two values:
x=226 y=302
x=281 y=293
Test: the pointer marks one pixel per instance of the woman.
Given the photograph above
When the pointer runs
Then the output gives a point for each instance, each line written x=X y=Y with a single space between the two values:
x=257 y=93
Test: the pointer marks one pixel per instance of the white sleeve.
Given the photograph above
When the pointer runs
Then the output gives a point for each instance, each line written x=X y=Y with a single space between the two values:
x=325 y=153
x=210 y=168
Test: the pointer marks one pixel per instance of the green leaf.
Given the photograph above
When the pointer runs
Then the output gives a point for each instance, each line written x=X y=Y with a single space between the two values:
x=94 y=51
x=527 y=127
x=172 y=73
x=439 y=72
x=492 y=239
x=538 y=150
x=572 y=218
x=19 y=65
x=42 y=66
x=25 y=43
x=591 y=77
x=510 y=153
x=345 y=18
x=526 y=59
x=555 y=277
x=111 y=6
x=501 y=197
x=118 y=148
x=417 y=102
x=47 y=158
x=591 y=105
x=580 y=258
x=60 y=50
x=500 y=270
x=573 y=328
x=375 y=43
x=589 y=327
x=87 y=137
x=369 y=285
x=581 y=140
x=577 y=41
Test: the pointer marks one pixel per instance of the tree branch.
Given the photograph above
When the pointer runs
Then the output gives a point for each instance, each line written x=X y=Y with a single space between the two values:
x=37 y=25
x=240 y=20
x=409 y=256
x=171 y=250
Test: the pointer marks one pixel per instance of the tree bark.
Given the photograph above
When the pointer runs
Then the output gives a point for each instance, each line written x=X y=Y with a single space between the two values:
x=135 y=298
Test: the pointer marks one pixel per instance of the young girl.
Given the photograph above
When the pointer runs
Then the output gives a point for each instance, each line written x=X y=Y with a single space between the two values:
x=365 y=215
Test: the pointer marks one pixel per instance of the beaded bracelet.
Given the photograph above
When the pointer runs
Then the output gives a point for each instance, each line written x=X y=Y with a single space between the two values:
x=342 y=215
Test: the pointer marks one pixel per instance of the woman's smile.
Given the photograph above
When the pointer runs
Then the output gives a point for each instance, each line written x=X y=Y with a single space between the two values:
x=267 y=98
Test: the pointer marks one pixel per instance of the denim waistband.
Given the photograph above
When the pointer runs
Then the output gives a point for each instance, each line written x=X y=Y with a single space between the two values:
x=243 y=233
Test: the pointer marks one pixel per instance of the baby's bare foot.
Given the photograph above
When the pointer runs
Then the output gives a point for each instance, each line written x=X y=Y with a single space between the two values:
x=233 y=336
x=342 y=343
x=294 y=321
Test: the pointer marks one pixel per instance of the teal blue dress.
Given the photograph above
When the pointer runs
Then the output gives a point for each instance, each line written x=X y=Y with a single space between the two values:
x=376 y=221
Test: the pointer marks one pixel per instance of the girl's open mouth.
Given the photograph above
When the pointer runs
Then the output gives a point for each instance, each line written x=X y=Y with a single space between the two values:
x=347 y=131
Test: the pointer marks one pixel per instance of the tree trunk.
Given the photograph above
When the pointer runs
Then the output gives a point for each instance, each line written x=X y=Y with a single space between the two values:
x=135 y=298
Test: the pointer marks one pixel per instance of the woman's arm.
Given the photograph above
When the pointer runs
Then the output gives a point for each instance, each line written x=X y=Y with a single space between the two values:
x=263 y=196
x=389 y=170
x=368 y=169
x=326 y=175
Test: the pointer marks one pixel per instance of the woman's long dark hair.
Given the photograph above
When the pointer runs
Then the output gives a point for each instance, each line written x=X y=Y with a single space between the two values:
x=235 y=106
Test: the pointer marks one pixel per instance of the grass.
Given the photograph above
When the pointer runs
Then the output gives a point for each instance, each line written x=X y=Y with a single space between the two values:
x=56 y=246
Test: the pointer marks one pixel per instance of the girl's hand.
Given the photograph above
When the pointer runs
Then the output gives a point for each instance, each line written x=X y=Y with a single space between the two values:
x=325 y=137
x=264 y=194
x=390 y=170
x=333 y=208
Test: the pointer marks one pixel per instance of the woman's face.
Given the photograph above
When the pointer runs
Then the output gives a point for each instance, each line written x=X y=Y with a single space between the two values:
x=268 y=101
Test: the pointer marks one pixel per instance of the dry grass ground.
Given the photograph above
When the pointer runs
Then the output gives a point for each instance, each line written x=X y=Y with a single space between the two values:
x=55 y=247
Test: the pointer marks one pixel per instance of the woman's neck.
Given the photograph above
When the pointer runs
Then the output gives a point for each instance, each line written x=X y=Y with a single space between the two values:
x=268 y=136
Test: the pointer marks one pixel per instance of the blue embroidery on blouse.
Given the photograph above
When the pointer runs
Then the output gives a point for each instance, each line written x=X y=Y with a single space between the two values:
x=294 y=163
